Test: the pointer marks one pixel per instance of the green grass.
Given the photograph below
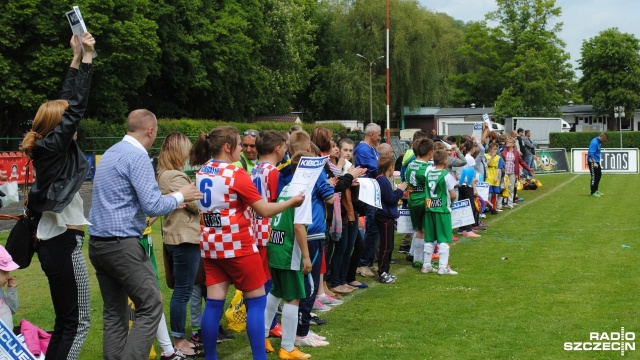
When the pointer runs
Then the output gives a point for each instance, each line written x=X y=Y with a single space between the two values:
x=566 y=275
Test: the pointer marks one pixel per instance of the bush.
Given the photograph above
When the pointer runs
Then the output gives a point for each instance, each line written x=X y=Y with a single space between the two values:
x=569 y=140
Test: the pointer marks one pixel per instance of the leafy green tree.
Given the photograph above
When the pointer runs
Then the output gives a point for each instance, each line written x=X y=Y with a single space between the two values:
x=520 y=64
x=610 y=67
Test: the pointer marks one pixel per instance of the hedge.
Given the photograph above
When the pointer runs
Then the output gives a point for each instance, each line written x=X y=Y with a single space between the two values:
x=96 y=137
x=569 y=140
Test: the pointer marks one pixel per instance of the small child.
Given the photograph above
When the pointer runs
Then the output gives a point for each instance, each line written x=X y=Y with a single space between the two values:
x=437 y=220
x=495 y=164
x=386 y=217
x=8 y=299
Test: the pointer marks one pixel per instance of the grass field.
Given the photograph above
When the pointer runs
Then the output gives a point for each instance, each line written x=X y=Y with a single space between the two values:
x=566 y=275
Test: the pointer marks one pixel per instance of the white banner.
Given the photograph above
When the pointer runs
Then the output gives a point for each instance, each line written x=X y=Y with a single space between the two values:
x=461 y=213
x=370 y=192
x=483 y=190
x=404 y=222
x=616 y=161
x=477 y=130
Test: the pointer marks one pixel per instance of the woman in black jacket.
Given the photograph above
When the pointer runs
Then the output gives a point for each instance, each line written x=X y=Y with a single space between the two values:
x=61 y=168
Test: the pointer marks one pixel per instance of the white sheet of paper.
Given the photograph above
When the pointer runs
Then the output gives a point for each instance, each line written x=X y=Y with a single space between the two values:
x=306 y=175
x=77 y=24
x=487 y=119
x=370 y=192
x=404 y=222
x=477 y=130
x=483 y=190
x=461 y=213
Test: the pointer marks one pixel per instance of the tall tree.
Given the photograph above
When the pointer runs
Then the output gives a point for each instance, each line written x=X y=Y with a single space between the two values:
x=521 y=60
x=610 y=67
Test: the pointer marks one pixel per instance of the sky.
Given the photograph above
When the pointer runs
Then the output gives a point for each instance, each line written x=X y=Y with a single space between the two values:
x=582 y=19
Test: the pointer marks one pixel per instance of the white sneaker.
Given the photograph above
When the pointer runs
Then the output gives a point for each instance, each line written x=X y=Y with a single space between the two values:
x=318 y=306
x=446 y=271
x=316 y=335
x=328 y=300
x=428 y=269
x=309 y=341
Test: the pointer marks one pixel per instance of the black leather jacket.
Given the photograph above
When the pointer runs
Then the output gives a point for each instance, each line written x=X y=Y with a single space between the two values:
x=60 y=166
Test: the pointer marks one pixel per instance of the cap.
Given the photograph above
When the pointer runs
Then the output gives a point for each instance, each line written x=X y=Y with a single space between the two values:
x=6 y=261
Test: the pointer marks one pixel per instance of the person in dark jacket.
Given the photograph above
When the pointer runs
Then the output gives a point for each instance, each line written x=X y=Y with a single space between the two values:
x=61 y=168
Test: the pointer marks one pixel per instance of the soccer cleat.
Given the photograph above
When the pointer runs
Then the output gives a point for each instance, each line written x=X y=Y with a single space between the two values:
x=309 y=341
x=224 y=335
x=596 y=194
x=294 y=354
x=426 y=269
x=276 y=331
x=316 y=336
x=267 y=345
x=328 y=300
x=318 y=306
x=446 y=270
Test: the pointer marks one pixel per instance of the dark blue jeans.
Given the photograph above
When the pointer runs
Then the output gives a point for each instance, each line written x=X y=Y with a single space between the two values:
x=370 y=237
x=311 y=284
x=186 y=258
x=342 y=253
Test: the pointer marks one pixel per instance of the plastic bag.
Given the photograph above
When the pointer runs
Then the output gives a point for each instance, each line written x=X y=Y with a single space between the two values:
x=505 y=190
x=236 y=314
x=11 y=194
x=519 y=185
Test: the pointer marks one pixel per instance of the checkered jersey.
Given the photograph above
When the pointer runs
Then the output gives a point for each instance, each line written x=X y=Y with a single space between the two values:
x=265 y=178
x=225 y=218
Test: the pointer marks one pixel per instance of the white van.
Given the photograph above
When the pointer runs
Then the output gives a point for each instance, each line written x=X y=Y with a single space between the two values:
x=565 y=126
x=499 y=128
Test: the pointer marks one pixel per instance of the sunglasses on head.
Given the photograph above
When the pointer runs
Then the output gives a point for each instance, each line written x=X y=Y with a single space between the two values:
x=251 y=133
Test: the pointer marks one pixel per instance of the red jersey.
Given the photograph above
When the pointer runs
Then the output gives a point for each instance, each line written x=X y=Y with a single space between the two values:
x=265 y=178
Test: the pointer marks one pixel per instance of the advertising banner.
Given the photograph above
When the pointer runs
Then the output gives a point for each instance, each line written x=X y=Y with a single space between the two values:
x=12 y=166
x=613 y=161
x=551 y=161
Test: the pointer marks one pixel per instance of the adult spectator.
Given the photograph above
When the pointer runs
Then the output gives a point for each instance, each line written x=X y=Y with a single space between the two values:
x=434 y=135
x=512 y=163
x=516 y=136
x=62 y=168
x=365 y=155
x=125 y=191
x=249 y=154
x=520 y=144
x=593 y=160
x=529 y=151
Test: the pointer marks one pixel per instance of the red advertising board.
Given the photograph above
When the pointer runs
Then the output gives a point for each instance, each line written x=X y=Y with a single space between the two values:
x=12 y=166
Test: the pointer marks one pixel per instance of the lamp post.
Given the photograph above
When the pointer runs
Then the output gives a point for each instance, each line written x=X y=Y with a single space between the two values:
x=371 y=62
x=618 y=113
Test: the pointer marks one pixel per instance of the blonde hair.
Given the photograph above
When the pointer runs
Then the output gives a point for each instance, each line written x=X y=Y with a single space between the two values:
x=47 y=118
x=174 y=152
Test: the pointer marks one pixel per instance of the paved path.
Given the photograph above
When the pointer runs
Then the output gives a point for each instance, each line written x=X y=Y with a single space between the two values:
x=15 y=209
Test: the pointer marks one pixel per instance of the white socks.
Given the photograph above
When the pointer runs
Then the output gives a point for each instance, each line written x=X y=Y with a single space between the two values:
x=270 y=312
x=162 y=334
x=417 y=245
x=443 y=251
x=427 y=252
x=289 y=326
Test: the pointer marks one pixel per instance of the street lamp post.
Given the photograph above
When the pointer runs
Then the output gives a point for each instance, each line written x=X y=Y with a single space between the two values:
x=618 y=113
x=371 y=62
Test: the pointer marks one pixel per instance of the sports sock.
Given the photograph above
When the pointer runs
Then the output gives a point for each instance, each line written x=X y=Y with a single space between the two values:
x=213 y=309
x=418 y=249
x=267 y=289
x=162 y=334
x=270 y=311
x=427 y=252
x=255 y=324
x=411 y=245
x=289 y=326
x=444 y=255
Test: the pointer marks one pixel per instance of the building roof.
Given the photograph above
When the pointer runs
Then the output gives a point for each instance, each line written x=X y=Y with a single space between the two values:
x=464 y=111
x=285 y=118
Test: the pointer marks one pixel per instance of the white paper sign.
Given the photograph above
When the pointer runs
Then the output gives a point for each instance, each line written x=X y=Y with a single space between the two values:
x=487 y=119
x=404 y=222
x=483 y=190
x=11 y=347
x=77 y=24
x=477 y=130
x=370 y=192
x=306 y=175
x=461 y=213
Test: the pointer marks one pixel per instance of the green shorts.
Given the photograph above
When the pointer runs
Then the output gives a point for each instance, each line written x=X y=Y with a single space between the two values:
x=287 y=284
x=417 y=216
x=437 y=227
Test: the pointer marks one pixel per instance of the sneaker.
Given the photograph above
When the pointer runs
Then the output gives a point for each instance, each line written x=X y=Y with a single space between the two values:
x=365 y=271
x=276 y=331
x=599 y=193
x=595 y=194
x=409 y=258
x=393 y=276
x=426 y=269
x=386 y=278
x=509 y=207
x=315 y=335
x=268 y=347
x=175 y=356
x=446 y=271
x=328 y=300
x=292 y=355
x=196 y=337
x=318 y=306
x=224 y=335
x=309 y=341
x=417 y=264
x=315 y=320
x=499 y=209
x=482 y=216
x=471 y=234
x=404 y=249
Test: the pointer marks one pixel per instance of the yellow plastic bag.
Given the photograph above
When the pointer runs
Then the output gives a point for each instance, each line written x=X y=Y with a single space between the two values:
x=236 y=314
x=538 y=183
x=132 y=316
x=505 y=191
x=519 y=185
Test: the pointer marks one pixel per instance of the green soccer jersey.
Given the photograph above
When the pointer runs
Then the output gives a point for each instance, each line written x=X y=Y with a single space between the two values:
x=283 y=251
x=416 y=178
x=437 y=191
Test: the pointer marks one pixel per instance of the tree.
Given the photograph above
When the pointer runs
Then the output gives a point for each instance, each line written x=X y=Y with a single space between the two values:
x=521 y=63
x=610 y=67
